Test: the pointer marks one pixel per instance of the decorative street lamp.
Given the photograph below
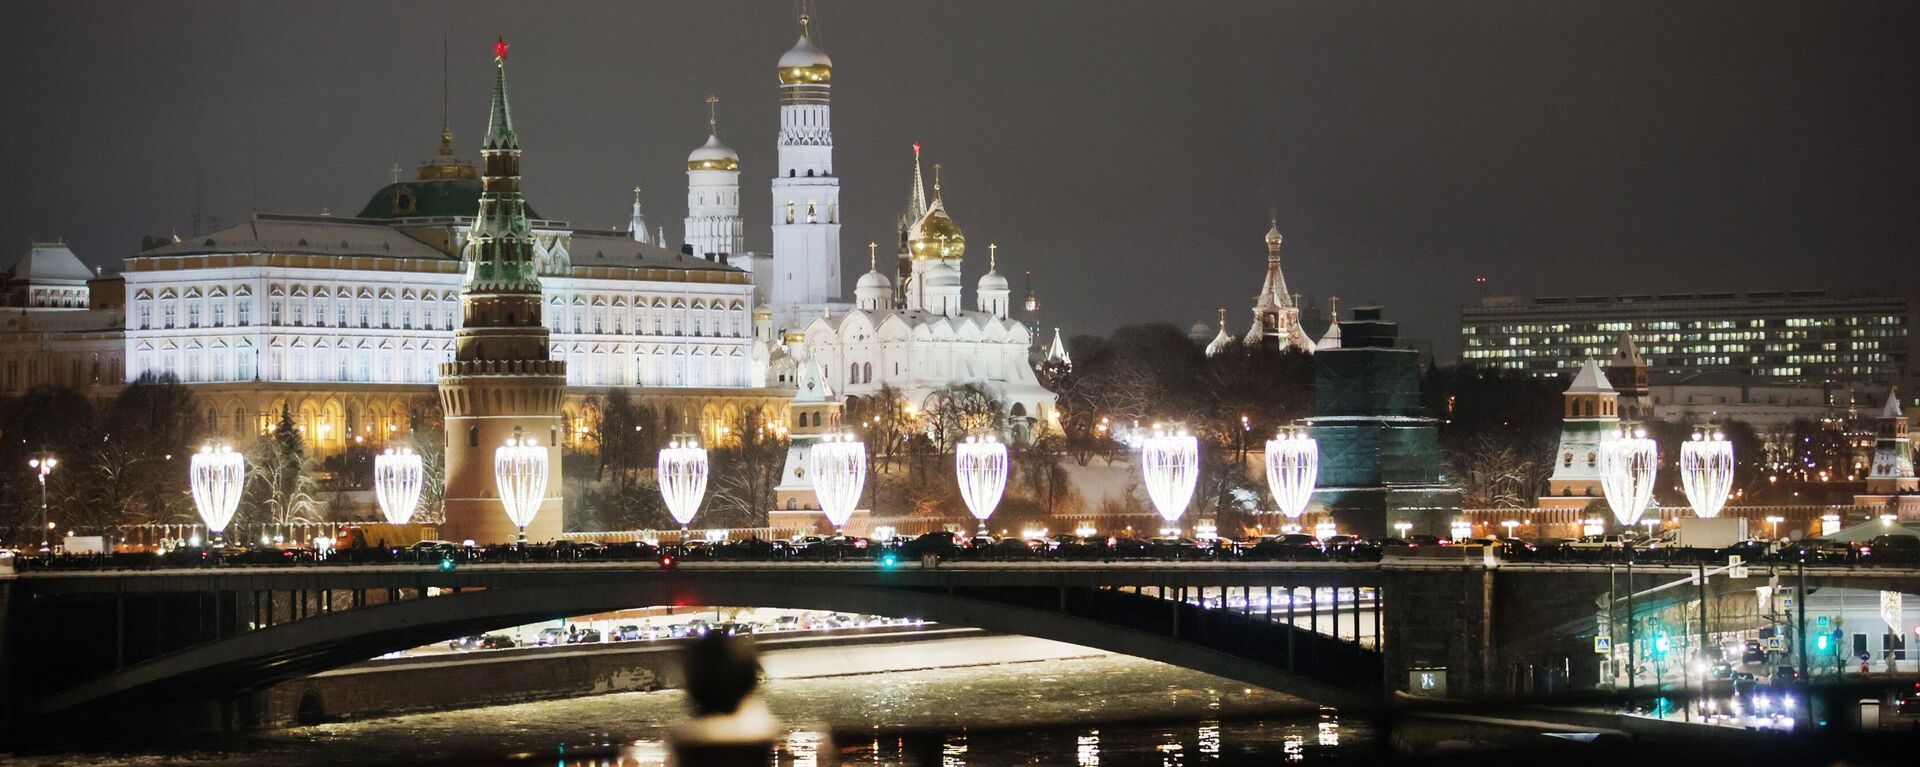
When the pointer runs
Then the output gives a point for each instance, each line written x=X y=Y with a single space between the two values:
x=520 y=474
x=1628 y=463
x=1706 y=472
x=682 y=473
x=1293 y=467
x=397 y=476
x=218 y=475
x=43 y=464
x=1171 y=463
x=839 y=467
x=981 y=466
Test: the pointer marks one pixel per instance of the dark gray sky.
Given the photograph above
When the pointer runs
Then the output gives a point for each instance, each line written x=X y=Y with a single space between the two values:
x=1127 y=152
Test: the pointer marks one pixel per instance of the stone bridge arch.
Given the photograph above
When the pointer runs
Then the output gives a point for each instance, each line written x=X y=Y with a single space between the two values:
x=1326 y=670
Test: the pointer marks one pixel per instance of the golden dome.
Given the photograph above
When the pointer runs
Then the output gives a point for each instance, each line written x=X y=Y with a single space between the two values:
x=805 y=64
x=713 y=155
x=935 y=236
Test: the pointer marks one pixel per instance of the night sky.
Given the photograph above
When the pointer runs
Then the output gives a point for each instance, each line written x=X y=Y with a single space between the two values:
x=1127 y=152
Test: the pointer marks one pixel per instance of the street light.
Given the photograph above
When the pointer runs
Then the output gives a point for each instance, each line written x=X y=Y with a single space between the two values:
x=1171 y=463
x=1293 y=467
x=839 y=466
x=43 y=464
x=520 y=474
x=682 y=473
x=217 y=476
x=397 y=476
x=1628 y=463
x=981 y=466
x=1706 y=472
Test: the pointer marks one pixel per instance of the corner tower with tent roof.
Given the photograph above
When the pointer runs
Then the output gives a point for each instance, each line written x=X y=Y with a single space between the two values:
x=501 y=383
x=1592 y=410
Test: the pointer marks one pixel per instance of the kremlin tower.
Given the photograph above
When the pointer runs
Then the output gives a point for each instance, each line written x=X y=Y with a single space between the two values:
x=501 y=383
x=1592 y=411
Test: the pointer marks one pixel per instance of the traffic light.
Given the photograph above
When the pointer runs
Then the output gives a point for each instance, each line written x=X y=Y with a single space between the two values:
x=667 y=561
x=1660 y=645
x=446 y=563
x=888 y=560
x=1823 y=642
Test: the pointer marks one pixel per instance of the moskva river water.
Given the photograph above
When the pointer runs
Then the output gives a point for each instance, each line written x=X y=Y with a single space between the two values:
x=1106 y=710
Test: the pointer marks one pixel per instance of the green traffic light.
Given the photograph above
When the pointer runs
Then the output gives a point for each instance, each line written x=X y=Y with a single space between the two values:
x=446 y=564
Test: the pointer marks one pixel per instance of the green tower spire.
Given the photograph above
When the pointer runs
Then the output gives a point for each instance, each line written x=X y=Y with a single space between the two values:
x=501 y=255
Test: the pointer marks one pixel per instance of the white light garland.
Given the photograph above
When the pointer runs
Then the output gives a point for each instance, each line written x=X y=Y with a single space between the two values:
x=981 y=466
x=1171 y=465
x=520 y=474
x=1628 y=464
x=218 y=476
x=682 y=473
x=839 y=468
x=397 y=476
x=1293 y=468
x=1706 y=473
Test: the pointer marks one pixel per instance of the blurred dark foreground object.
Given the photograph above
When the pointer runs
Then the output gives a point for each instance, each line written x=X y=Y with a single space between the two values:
x=731 y=725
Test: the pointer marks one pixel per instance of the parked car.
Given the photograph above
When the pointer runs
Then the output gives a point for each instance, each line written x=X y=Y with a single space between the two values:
x=942 y=544
x=1175 y=548
x=1817 y=550
x=584 y=636
x=1891 y=549
x=551 y=636
x=1288 y=547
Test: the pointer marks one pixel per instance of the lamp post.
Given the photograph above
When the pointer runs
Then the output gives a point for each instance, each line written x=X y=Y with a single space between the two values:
x=520 y=474
x=1706 y=472
x=1171 y=464
x=43 y=464
x=1293 y=468
x=839 y=468
x=397 y=477
x=682 y=473
x=1628 y=463
x=217 y=475
x=980 y=464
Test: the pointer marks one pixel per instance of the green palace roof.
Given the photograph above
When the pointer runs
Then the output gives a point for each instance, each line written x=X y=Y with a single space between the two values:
x=427 y=199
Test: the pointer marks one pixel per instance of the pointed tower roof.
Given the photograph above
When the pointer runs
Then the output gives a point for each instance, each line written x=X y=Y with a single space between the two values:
x=917 y=196
x=500 y=133
x=1589 y=380
x=637 y=226
x=1627 y=354
x=502 y=238
x=1893 y=409
x=1057 y=352
x=1331 y=339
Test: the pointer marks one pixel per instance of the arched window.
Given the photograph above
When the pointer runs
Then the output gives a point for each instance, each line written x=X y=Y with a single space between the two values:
x=866 y=372
x=853 y=373
x=789 y=211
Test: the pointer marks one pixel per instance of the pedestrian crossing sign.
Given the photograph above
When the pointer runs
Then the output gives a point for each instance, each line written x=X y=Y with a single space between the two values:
x=1602 y=644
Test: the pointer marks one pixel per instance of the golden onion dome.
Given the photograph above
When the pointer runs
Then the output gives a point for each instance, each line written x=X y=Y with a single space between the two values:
x=805 y=65
x=935 y=236
x=713 y=155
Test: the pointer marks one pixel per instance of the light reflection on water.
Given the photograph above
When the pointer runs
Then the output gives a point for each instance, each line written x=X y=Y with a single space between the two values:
x=987 y=716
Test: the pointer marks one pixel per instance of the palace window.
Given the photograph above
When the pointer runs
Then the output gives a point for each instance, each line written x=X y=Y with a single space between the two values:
x=146 y=315
x=219 y=314
x=243 y=311
x=167 y=315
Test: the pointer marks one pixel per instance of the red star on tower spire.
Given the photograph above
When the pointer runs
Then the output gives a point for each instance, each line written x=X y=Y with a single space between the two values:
x=500 y=49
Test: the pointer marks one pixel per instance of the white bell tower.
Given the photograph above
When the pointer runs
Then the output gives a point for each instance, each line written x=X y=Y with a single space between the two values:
x=806 y=194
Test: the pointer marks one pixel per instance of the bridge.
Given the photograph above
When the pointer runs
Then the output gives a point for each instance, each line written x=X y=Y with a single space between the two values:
x=186 y=647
